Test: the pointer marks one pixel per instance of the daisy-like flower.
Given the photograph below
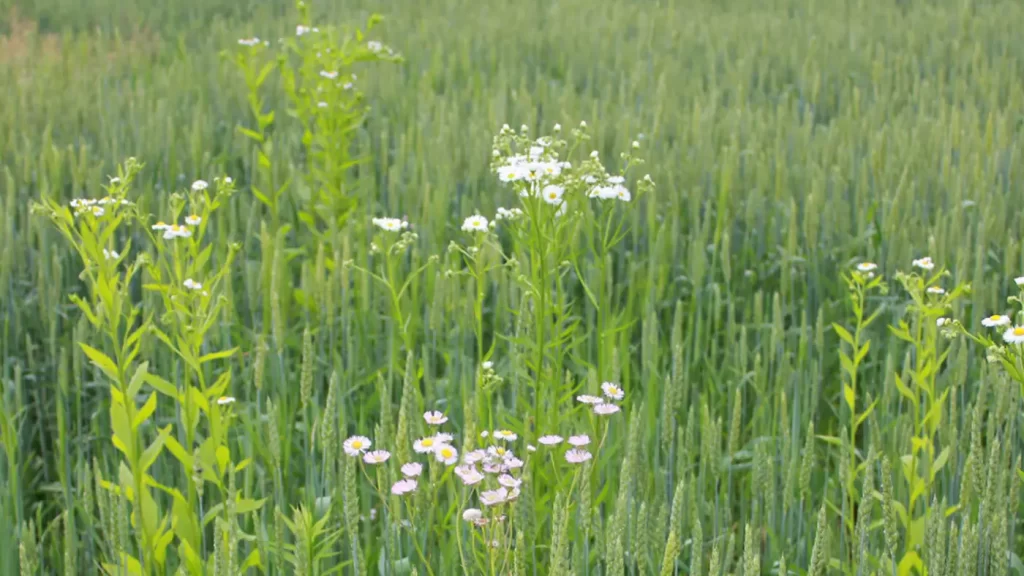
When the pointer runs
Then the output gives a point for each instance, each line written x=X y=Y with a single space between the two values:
x=867 y=267
x=474 y=456
x=390 y=224
x=946 y=321
x=552 y=194
x=192 y=284
x=160 y=226
x=403 y=486
x=443 y=438
x=508 y=213
x=488 y=365
x=606 y=409
x=581 y=440
x=472 y=515
x=589 y=399
x=469 y=475
x=329 y=74
x=475 y=223
x=425 y=445
x=550 y=440
x=484 y=434
x=250 y=42
x=511 y=463
x=511 y=173
x=200 y=185
x=374 y=46
x=97 y=210
x=995 y=320
x=193 y=220
x=1014 y=335
x=494 y=497
x=506 y=435
x=225 y=400
x=604 y=192
x=1019 y=281
x=447 y=454
x=508 y=481
x=531 y=448
x=356 y=445
x=110 y=254
x=412 y=469
x=622 y=193
x=301 y=30
x=577 y=456
x=435 y=418
x=612 y=391
x=321 y=104
x=935 y=290
x=376 y=457
x=175 y=231
x=924 y=263
x=497 y=452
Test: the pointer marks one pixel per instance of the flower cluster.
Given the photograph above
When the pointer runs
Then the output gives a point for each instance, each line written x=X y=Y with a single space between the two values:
x=604 y=405
x=390 y=224
x=94 y=206
x=172 y=231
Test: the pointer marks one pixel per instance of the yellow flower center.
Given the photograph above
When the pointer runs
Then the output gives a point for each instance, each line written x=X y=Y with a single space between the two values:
x=995 y=317
x=1019 y=331
x=501 y=451
x=428 y=441
x=357 y=444
x=446 y=453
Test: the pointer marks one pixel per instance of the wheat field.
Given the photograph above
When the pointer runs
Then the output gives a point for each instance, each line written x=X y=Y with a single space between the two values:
x=588 y=287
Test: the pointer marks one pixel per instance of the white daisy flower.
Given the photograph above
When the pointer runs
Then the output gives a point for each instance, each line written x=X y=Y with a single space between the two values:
x=475 y=223
x=867 y=267
x=376 y=457
x=447 y=454
x=612 y=391
x=390 y=224
x=469 y=475
x=434 y=417
x=484 y=434
x=1019 y=281
x=531 y=448
x=356 y=445
x=595 y=154
x=944 y=322
x=995 y=320
x=97 y=210
x=225 y=400
x=329 y=74
x=228 y=180
x=536 y=152
x=412 y=469
x=577 y=456
x=550 y=440
x=622 y=193
x=588 y=399
x=474 y=456
x=322 y=104
x=192 y=284
x=472 y=515
x=403 y=486
x=425 y=445
x=498 y=452
x=924 y=263
x=488 y=365
x=193 y=220
x=606 y=409
x=511 y=173
x=494 y=497
x=1014 y=335
x=250 y=42
x=604 y=192
x=301 y=30
x=374 y=46
x=581 y=440
x=506 y=435
x=508 y=213
x=508 y=481
x=935 y=290
x=511 y=463
x=110 y=254
x=347 y=86
x=175 y=231
x=552 y=194
x=199 y=185
x=160 y=226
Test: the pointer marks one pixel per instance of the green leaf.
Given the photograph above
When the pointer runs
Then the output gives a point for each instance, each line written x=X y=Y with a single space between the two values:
x=904 y=390
x=844 y=334
x=245 y=505
x=830 y=439
x=102 y=361
x=162 y=386
x=217 y=355
x=251 y=134
x=940 y=461
x=145 y=412
x=851 y=397
x=151 y=453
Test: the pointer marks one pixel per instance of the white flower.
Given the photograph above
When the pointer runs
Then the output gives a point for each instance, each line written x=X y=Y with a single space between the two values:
x=508 y=213
x=469 y=475
x=604 y=192
x=606 y=409
x=550 y=440
x=435 y=418
x=199 y=185
x=616 y=180
x=1019 y=281
x=588 y=399
x=447 y=454
x=347 y=86
x=390 y=224
x=583 y=123
x=301 y=30
x=475 y=223
x=581 y=440
x=636 y=144
x=110 y=254
x=612 y=391
x=511 y=173
x=552 y=194
x=996 y=320
x=488 y=365
x=484 y=434
x=425 y=445
x=376 y=457
x=228 y=180
x=595 y=154
x=867 y=267
x=225 y=400
x=356 y=445
x=622 y=193
x=506 y=435
x=557 y=128
x=935 y=290
x=114 y=180
x=531 y=448
x=508 y=481
x=97 y=210
x=175 y=231
x=512 y=463
x=443 y=438
x=494 y=497
x=321 y=104
x=577 y=456
x=472 y=515
x=160 y=226
x=192 y=284
x=403 y=486
x=193 y=220
x=474 y=456
x=249 y=41
x=329 y=74
x=374 y=46
x=412 y=469
x=1014 y=335
x=924 y=263
x=944 y=322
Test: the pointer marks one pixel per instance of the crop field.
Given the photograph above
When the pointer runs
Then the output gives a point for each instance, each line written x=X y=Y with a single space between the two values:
x=587 y=287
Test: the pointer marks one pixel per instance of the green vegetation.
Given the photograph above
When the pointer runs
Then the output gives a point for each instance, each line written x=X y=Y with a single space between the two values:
x=244 y=290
